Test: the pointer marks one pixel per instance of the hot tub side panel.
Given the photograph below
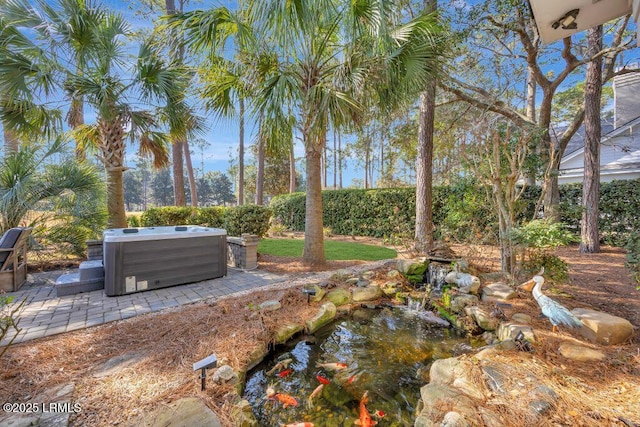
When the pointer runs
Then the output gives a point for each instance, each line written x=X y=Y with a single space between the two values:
x=152 y=264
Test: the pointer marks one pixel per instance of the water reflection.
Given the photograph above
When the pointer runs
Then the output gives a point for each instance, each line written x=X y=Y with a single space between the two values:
x=386 y=352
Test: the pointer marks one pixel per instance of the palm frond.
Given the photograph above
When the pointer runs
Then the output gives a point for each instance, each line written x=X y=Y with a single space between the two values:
x=154 y=145
x=209 y=29
x=87 y=137
x=30 y=120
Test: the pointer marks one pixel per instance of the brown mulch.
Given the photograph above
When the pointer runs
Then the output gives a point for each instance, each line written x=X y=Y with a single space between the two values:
x=170 y=341
x=295 y=267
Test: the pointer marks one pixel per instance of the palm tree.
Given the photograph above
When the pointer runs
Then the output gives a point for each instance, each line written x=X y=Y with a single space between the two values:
x=157 y=83
x=224 y=87
x=112 y=86
x=327 y=53
x=424 y=160
x=335 y=53
x=25 y=68
x=70 y=27
x=66 y=195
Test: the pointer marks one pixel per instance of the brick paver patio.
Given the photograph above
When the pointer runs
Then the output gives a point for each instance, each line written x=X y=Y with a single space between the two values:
x=44 y=314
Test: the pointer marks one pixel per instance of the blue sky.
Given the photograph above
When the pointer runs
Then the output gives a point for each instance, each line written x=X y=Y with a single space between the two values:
x=221 y=135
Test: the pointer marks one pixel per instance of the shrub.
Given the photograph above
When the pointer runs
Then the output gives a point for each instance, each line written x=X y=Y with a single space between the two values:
x=536 y=237
x=133 y=220
x=633 y=256
x=9 y=319
x=556 y=270
x=169 y=215
x=276 y=228
x=542 y=234
x=251 y=219
x=64 y=201
x=211 y=216
x=461 y=211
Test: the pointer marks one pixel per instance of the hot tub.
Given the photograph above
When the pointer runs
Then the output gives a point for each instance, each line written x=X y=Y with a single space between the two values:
x=141 y=259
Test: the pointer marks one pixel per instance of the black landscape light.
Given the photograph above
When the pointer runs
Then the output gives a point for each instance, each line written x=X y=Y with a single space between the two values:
x=203 y=365
x=309 y=292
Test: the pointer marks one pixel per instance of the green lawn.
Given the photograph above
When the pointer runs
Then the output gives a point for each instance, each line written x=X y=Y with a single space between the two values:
x=333 y=250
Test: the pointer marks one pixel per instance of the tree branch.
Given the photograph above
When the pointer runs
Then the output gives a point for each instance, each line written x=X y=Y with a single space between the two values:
x=489 y=103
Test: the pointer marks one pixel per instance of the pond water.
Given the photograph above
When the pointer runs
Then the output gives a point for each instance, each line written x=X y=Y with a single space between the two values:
x=387 y=353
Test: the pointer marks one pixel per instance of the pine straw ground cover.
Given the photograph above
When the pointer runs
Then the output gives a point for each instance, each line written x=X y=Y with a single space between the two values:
x=168 y=343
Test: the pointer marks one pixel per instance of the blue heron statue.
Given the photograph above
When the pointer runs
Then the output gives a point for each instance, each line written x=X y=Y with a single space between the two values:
x=554 y=311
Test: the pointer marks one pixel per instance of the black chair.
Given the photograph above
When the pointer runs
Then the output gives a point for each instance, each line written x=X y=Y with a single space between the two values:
x=13 y=258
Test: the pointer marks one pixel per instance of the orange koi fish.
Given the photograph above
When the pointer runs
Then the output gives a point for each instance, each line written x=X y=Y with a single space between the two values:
x=365 y=418
x=284 y=373
x=298 y=425
x=284 y=364
x=331 y=366
x=351 y=378
x=283 y=398
x=286 y=400
x=322 y=379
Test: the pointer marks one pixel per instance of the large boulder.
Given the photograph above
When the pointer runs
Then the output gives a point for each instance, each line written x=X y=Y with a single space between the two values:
x=436 y=398
x=457 y=373
x=459 y=302
x=391 y=288
x=270 y=305
x=242 y=415
x=482 y=318
x=325 y=315
x=509 y=331
x=369 y=293
x=339 y=296
x=603 y=328
x=225 y=374
x=404 y=266
x=189 y=411
x=286 y=331
x=580 y=353
x=496 y=292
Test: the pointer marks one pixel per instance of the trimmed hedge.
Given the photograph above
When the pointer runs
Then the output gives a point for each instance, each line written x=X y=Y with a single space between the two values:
x=619 y=209
x=251 y=219
x=461 y=212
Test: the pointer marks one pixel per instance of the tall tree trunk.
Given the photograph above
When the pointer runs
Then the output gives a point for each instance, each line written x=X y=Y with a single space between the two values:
x=335 y=159
x=339 y=160
x=313 y=252
x=381 y=175
x=112 y=156
x=177 y=148
x=76 y=118
x=550 y=187
x=115 y=198
x=424 y=162
x=366 y=166
x=178 y=174
x=193 y=189
x=292 y=170
x=260 y=171
x=324 y=167
x=589 y=236
x=531 y=111
x=241 y=155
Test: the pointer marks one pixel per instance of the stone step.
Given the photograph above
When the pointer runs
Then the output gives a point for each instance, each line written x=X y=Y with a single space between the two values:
x=90 y=270
x=70 y=284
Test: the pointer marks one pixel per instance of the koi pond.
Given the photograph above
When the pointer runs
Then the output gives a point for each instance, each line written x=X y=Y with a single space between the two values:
x=322 y=378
